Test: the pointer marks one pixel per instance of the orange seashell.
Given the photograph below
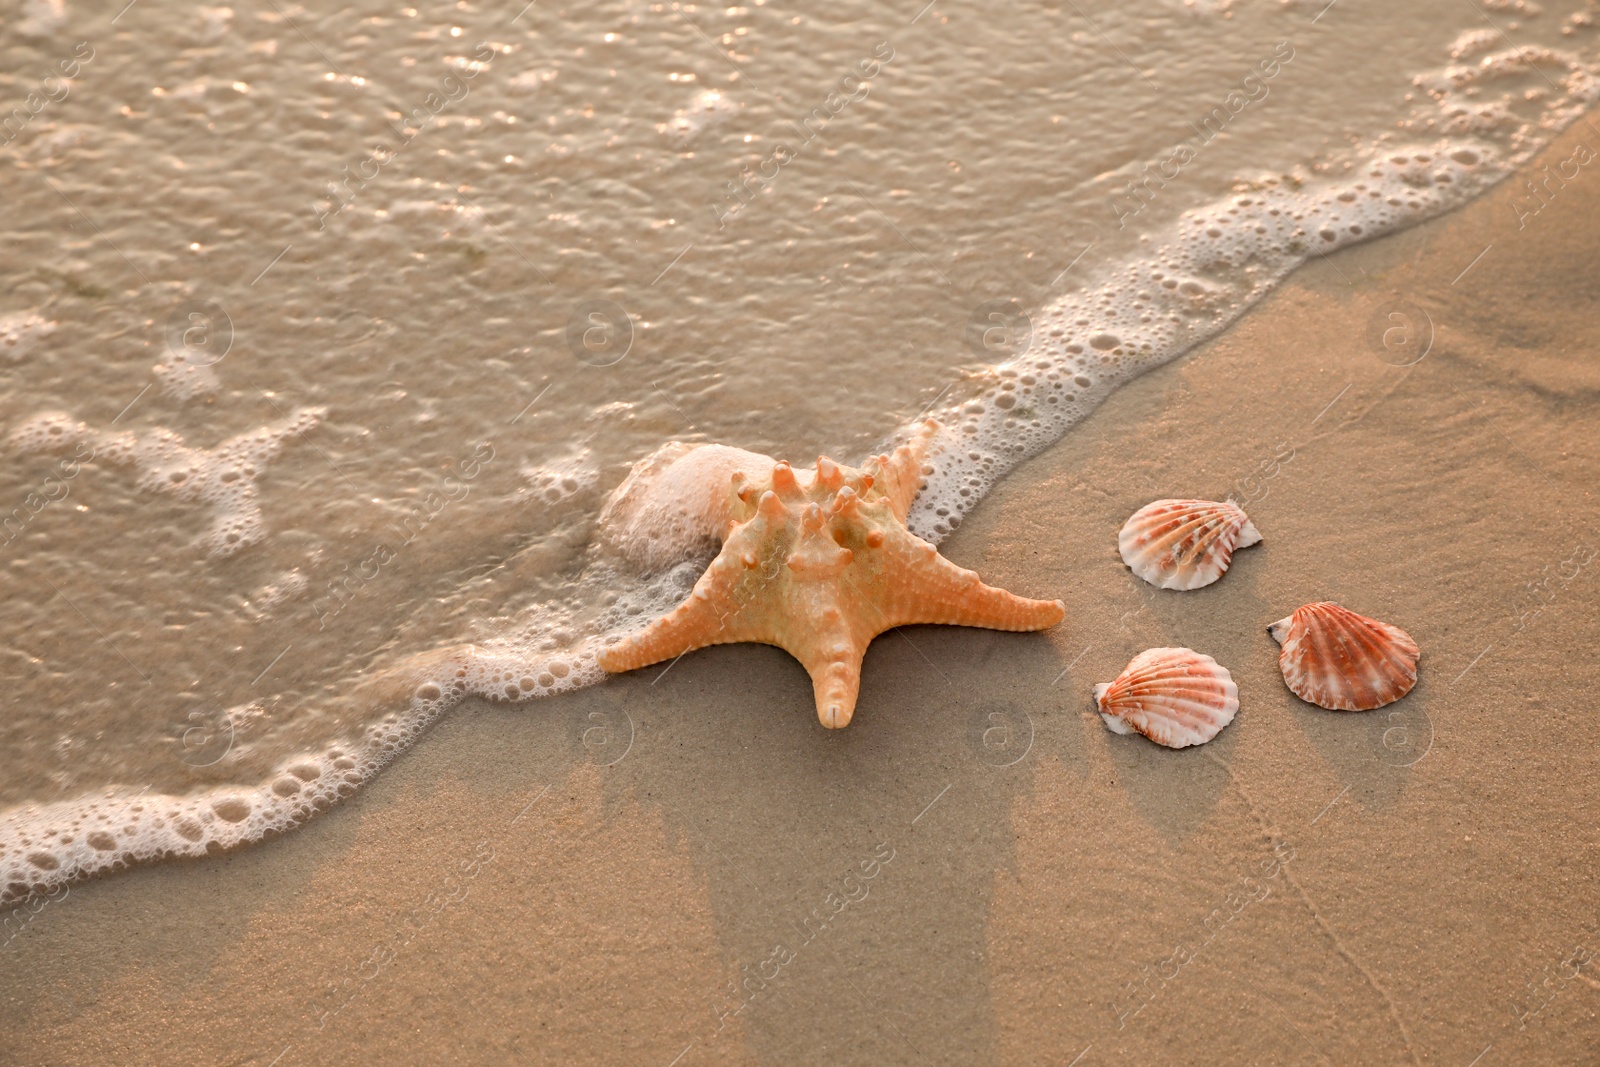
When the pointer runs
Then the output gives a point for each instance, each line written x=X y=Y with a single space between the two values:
x=1336 y=659
x=1184 y=544
x=1176 y=697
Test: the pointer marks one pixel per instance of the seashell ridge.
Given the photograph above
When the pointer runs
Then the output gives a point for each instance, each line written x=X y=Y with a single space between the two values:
x=1176 y=697
x=1184 y=544
x=1337 y=659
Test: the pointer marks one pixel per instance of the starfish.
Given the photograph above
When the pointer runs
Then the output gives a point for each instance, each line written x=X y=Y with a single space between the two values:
x=819 y=562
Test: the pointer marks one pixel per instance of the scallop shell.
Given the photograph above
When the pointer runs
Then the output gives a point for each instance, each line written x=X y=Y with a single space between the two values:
x=1184 y=544
x=1176 y=697
x=1337 y=659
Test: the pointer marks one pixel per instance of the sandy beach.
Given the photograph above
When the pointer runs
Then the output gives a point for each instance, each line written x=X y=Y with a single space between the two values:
x=688 y=869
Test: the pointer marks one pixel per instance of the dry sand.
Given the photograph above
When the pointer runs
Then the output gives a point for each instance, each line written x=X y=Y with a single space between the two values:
x=583 y=881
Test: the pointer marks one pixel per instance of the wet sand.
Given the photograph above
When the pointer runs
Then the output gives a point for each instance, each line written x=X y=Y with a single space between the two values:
x=584 y=880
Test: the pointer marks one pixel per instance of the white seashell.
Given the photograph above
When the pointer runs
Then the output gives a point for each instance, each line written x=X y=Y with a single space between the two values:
x=1176 y=697
x=1184 y=544
x=1339 y=660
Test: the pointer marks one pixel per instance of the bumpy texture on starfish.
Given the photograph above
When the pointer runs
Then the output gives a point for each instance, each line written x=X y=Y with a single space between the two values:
x=819 y=563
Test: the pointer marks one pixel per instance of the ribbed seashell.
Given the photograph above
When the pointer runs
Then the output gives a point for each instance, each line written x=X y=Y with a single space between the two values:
x=1184 y=544
x=1176 y=697
x=1336 y=659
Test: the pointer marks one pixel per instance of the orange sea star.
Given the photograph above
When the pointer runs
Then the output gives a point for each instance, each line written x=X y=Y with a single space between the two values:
x=819 y=563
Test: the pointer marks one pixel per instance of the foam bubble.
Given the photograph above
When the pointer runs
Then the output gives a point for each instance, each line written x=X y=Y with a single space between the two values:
x=185 y=380
x=564 y=478
x=20 y=332
x=222 y=479
x=1472 y=42
x=265 y=599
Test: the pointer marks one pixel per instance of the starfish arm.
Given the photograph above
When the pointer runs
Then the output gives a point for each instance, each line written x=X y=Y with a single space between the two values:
x=829 y=645
x=714 y=614
x=931 y=589
x=898 y=476
x=836 y=682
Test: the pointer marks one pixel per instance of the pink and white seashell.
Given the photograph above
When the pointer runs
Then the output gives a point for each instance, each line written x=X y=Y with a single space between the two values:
x=1184 y=544
x=1176 y=697
x=1336 y=659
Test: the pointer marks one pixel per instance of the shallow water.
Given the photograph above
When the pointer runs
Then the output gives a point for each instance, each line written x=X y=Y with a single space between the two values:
x=346 y=323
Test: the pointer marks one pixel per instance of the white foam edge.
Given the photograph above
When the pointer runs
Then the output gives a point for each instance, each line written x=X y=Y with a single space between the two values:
x=44 y=846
